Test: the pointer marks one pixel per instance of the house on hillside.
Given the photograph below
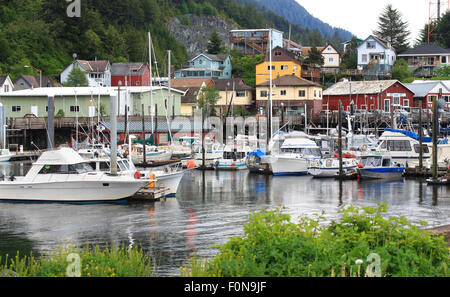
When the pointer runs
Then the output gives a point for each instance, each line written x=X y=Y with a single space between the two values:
x=192 y=89
x=385 y=95
x=284 y=62
x=25 y=82
x=331 y=56
x=98 y=72
x=425 y=59
x=290 y=94
x=207 y=66
x=255 y=41
x=6 y=84
x=234 y=95
x=130 y=74
x=376 y=57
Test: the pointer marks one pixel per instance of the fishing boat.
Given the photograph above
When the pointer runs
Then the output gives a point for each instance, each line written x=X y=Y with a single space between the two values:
x=5 y=155
x=213 y=153
x=93 y=150
x=152 y=153
x=379 y=167
x=64 y=176
x=235 y=154
x=257 y=163
x=326 y=168
x=295 y=156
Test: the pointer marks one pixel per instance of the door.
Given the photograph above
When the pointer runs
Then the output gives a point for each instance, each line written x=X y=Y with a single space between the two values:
x=34 y=110
x=387 y=105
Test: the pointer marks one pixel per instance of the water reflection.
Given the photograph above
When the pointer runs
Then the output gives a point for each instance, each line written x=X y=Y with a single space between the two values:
x=210 y=207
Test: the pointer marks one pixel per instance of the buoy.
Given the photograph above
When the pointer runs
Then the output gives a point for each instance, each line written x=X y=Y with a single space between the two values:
x=360 y=165
x=190 y=164
x=137 y=175
x=152 y=182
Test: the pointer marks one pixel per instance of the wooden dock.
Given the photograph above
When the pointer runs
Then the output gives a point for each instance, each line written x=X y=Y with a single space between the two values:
x=424 y=173
x=151 y=194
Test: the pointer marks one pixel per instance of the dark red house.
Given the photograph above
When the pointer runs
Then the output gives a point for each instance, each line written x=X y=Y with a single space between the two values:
x=130 y=74
x=368 y=95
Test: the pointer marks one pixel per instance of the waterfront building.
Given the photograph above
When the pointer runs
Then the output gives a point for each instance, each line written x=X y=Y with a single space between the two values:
x=207 y=66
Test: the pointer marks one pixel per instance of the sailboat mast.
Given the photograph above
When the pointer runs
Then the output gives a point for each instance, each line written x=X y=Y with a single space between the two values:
x=151 y=79
x=269 y=130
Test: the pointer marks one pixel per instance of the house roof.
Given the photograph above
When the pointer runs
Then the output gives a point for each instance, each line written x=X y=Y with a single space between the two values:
x=280 y=54
x=383 y=42
x=97 y=66
x=291 y=80
x=330 y=44
x=423 y=89
x=2 y=79
x=184 y=83
x=218 y=58
x=227 y=84
x=307 y=49
x=35 y=81
x=127 y=69
x=425 y=50
x=359 y=87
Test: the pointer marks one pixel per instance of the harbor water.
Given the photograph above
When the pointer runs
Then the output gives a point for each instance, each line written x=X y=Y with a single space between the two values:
x=210 y=207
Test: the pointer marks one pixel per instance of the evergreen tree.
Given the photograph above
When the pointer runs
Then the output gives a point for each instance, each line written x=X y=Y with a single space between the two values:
x=76 y=78
x=350 y=57
x=215 y=44
x=392 y=28
x=443 y=29
x=315 y=57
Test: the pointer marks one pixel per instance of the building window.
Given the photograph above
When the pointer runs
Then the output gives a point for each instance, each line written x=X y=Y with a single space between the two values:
x=315 y=93
x=284 y=67
x=74 y=108
x=396 y=100
x=138 y=83
x=6 y=88
x=277 y=53
x=200 y=61
x=273 y=67
x=264 y=93
x=241 y=94
x=371 y=45
x=302 y=93
x=16 y=108
x=444 y=59
x=295 y=67
x=364 y=58
x=330 y=60
x=283 y=93
x=406 y=102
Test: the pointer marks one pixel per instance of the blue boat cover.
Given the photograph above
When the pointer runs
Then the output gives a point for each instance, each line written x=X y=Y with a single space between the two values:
x=411 y=134
x=258 y=153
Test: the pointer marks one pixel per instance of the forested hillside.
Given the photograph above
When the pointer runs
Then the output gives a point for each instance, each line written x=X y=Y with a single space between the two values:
x=40 y=34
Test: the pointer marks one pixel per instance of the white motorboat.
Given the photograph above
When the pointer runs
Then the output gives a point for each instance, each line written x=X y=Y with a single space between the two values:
x=152 y=153
x=93 y=151
x=5 y=155
x=329 y=167
x=379 y=167
x=64 y=176
x=213 y=152
x=235 y=155
x=294 y=157
x=167 y=177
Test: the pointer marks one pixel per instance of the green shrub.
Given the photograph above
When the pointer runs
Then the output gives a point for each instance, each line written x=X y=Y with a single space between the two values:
x=94 y=262
x=273 y=246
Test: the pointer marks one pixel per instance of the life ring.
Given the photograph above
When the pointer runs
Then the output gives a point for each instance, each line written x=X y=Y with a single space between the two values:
x=137 y=175
x=127 y=152
x=152 y=182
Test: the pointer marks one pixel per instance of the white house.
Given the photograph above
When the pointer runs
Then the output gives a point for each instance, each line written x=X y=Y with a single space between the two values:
x=6 y=85
x=98 y=72
x=375 y=55
x=331 y=57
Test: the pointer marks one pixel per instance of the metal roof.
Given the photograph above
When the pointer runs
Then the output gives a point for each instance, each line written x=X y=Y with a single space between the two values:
x=423 y=89
x=359 y=87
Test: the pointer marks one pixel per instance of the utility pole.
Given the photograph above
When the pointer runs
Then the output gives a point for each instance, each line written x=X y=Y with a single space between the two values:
x=435 y=134
x=143 y=136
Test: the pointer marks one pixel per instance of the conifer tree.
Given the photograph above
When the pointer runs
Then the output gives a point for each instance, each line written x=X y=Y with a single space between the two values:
x=392 y=28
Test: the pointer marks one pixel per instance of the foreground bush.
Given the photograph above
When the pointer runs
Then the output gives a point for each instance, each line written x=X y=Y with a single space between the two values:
x=93 y=262
x=361 y=243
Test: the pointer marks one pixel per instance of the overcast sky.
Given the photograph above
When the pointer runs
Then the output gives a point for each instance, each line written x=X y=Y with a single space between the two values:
x=361 y=16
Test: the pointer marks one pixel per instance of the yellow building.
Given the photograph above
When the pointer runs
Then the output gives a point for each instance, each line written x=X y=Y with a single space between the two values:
x=234 y=93
x=283 y=63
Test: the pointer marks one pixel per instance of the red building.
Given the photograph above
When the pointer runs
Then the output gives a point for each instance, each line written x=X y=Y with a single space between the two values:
x=368 y=95
x=130 y=74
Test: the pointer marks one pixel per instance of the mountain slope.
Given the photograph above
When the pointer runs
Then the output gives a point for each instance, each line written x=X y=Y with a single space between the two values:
x=297 y=14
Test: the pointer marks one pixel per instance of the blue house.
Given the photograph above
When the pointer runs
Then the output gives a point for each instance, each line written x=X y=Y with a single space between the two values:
x=207 y=66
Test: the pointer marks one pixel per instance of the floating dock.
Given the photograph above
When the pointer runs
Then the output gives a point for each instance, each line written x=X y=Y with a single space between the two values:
x=424 y=173
x=151 y=194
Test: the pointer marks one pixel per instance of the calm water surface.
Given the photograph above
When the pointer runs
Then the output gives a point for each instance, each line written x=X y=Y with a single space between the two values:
x=200 y=217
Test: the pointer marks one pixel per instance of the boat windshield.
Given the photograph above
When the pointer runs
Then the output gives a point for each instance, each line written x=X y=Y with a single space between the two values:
x=372 y=161
x=303 y=151
x=66 y=169
x=233 y=155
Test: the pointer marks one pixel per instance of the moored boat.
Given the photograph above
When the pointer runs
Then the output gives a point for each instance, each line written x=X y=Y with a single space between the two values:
x=379 y=167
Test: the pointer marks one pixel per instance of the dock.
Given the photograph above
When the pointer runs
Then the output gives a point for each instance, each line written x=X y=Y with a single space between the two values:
x=151 y=194
x=25 y=156
x=424 y=173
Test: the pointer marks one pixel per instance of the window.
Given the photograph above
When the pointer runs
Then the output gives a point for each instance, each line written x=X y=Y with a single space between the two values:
x=405 y=102
x=444 y=59
x=396 y=100
x=284 y=67
x=66 y=169
x=268 y=67
x=330 y=59
x=75 y=108
x=241 y=94
x=16 y=108
x=277 y=53
x=200 y=61
x=264 y=93
x=399 y=145
x=6 y=88
x=425 y=149
x=302 y=93
x=364 y=58
x=295 y=67
x=371 y=45
x=283 y=93
x=138 y=83
x=315 y=93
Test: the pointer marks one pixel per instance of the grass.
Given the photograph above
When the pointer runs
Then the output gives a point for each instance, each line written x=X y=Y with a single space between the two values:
x=88 y=261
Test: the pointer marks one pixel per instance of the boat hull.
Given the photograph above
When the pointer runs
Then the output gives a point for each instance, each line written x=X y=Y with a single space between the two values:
x=5 y=158
x=320 y=172
x=67 y=191
x=381 y=173
x=171 y=181
x=284 y=166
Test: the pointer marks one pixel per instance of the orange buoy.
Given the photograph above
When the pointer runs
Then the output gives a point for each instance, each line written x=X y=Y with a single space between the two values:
x=190 y=164
x=152 y=182
x=360 y=165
